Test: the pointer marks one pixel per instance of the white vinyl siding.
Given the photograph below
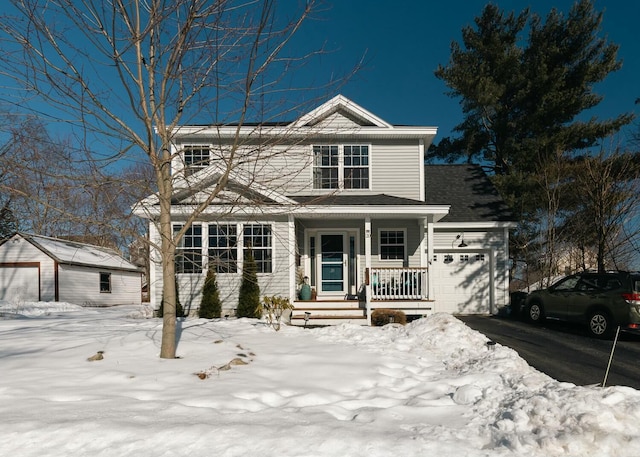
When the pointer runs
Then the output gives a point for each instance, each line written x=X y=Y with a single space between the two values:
x=81 y=285
x=18 y=250
x=395 y=169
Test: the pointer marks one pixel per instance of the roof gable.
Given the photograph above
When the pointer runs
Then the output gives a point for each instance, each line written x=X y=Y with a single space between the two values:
x=346 y=109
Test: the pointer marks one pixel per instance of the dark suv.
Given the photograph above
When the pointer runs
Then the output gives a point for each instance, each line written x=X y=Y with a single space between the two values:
x=602 y=301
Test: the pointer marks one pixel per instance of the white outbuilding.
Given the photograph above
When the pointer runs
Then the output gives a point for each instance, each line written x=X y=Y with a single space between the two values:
x=38 y=268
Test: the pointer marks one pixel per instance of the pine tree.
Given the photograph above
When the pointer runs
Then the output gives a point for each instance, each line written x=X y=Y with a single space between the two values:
x=249 y=299
x=211 y=306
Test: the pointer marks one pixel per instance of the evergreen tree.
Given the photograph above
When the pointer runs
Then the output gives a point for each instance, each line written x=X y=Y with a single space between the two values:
x=8 y=225
x=179 y=310
x=249 y=297
x=211 y=306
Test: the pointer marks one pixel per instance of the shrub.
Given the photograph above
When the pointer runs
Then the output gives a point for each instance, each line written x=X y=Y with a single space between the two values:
x=179 y=310
x=249 y=296
x=382 y=316
x=273 y=307
x=211 y=306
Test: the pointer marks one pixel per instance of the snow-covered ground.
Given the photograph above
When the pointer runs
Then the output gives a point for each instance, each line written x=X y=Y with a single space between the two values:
x=239 y=388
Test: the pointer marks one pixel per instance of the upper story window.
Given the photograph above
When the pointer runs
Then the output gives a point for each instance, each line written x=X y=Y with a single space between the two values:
x=196 y=157
x=356 y=167
x=341 y=167
x=189 y=250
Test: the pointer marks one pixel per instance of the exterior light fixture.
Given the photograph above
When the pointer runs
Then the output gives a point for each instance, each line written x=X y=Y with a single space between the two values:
x=459 y=236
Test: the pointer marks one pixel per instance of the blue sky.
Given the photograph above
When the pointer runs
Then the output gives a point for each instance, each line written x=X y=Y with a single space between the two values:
x=404 y=41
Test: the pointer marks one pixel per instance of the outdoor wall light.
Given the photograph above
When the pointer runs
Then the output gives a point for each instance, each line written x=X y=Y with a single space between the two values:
x=459 y=236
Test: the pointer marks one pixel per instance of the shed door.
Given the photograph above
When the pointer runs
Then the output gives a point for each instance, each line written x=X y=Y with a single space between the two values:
x=19 y=283
x=461 y=282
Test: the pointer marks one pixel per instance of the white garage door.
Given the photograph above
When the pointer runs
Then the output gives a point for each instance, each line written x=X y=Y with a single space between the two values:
x=461 y=282
x=19 y=283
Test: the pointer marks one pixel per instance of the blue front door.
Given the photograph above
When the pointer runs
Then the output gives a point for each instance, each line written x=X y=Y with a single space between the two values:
x=332 y=264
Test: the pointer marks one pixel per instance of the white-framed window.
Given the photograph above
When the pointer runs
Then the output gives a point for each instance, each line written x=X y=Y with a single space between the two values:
x=105 y=283
x=341 y=166
x=259 y=238
x=196 y=157
x=392 y=244
x=356 y=166
x=223 y=248
x=464 y=257
x=189 y=249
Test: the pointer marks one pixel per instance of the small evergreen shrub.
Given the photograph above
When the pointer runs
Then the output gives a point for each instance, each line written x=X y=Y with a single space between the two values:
x=249 y=296
x=179 y=310
x=211 y=306
x=383 y=316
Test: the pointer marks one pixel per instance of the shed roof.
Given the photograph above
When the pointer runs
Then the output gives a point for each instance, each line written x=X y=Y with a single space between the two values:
x=75 y=253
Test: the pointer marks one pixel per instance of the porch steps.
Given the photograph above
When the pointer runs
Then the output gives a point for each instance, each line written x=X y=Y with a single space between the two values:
x=319 y=312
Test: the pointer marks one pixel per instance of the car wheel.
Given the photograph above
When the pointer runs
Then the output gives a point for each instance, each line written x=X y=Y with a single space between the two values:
x=600 y=324
x=535 y=312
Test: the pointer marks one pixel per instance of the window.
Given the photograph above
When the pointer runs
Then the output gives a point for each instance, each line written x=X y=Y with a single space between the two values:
x=189 y=250
x=195 y=158
x=258 y=237
x=105 y=283
x=341 y=167
x=356 y=167
x=223 y=248
x=325 y=167
x=392 y=244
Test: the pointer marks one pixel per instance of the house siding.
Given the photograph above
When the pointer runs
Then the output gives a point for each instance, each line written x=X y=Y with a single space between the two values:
x=18 y=250
x=81 y=285
x=395 y=169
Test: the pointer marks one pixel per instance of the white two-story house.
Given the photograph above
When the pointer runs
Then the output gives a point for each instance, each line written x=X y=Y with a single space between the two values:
x=341 y=200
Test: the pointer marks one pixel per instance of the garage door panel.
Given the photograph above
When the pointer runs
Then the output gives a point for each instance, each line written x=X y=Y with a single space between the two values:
x=461 y=283
x=19 y=283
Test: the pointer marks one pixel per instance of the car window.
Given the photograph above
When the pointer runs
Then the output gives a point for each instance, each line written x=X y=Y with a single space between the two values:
x=588 y=284
x=568 y=283
x=636 y=283
x=612 y=284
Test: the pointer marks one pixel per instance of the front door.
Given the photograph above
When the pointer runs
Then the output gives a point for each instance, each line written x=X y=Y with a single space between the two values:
x=333 y=264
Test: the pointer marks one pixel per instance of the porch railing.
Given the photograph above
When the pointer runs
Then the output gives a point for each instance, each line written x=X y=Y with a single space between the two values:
x=398 y=283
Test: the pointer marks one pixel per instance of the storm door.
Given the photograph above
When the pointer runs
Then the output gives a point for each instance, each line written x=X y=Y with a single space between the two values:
x=333 y=264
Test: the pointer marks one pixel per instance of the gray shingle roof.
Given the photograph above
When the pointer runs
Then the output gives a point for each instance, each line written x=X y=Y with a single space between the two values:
x=467 y=188
x=341 y=200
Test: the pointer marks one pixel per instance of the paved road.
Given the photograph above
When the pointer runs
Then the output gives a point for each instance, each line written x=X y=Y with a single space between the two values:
x=565 y=352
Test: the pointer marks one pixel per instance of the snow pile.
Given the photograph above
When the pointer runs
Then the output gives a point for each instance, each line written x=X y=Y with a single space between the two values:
x=78 y=381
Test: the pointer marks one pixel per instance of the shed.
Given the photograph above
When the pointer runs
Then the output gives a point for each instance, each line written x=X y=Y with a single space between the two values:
x=39 y=268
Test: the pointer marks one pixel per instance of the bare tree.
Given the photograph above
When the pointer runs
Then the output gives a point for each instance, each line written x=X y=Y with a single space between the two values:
x=132 y=71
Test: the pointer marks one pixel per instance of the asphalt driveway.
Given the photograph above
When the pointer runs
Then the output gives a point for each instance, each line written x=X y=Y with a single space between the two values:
x=563 y=351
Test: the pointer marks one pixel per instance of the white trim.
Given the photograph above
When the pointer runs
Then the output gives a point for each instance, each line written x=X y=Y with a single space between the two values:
x=340 y=166
x=468 y=226
x=292 y=257
x=336 y=103
x=421 y=168
x=367 y=264
x=405 y=256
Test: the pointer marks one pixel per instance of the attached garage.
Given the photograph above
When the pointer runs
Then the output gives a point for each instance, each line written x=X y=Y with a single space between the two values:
x=462 y=282
x=38 y=268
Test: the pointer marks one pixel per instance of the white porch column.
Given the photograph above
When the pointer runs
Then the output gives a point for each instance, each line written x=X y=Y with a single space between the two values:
x=292 y=258
x=430 y=273
x=367 y=264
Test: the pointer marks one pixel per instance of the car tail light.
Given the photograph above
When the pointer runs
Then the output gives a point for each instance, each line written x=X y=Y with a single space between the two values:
x=632 y=299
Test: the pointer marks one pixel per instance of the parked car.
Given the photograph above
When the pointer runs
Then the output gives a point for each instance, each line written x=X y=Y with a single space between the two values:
x=602 y=301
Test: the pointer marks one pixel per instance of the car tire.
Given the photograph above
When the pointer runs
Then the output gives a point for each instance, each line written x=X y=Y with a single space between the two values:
x=535 y=312
x=600 y=324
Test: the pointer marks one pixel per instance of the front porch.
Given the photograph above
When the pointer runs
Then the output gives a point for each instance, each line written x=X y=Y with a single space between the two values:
x=404 y=289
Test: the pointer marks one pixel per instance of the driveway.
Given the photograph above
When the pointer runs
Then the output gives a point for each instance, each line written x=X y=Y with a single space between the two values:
x=565 y=352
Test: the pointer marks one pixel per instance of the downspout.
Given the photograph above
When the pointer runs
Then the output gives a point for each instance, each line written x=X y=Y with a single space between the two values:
x=56 y=281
